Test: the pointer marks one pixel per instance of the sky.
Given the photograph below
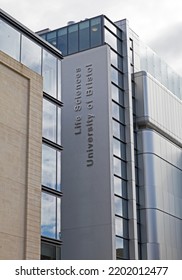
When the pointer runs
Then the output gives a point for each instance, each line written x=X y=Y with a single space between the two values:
x=157 y=22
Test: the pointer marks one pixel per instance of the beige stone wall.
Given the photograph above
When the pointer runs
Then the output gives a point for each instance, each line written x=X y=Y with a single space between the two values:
x=20 y=160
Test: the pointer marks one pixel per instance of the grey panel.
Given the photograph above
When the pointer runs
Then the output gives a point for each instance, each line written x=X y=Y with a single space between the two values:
x=87 y=222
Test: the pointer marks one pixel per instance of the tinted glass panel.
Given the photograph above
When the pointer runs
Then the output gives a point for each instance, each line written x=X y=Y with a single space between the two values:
x=62 y=41
x=122 y=248
x=72 y=39
x=84 y=37
x=96 y=32
x=51 y=38
x=9 y=40
x=31 y=55
x=49 y=73
x=48 y=252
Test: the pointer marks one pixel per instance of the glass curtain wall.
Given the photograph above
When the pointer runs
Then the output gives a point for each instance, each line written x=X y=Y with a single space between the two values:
x=112 y=36
x=36 y=57
x=77 y=37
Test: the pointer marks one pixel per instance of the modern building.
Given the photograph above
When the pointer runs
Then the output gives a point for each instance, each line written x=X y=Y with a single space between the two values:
x=30 y=144
x=120 y=172
x=122 y=138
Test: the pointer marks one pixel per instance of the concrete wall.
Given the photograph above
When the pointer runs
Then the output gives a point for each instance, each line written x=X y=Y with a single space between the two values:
x=20 y=160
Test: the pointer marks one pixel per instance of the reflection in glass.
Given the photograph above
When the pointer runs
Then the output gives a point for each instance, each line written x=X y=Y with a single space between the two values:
x=96 y=32
x=9 y=40
x=48 y=167
x=51 y=38
x=120 y=187
x=110 y=26
x=119 y=149
x=59 y=80
x=49 y=73
x=51 y=216
x=62 y=44
x=120 y=168
x=119 y=226
x=84 y=41
x=118 y=205
x=48 y=215
x=51 y=168
x=49 y=120
x=110 y=39
x=116 y=60
x=122 y=248
x=31 y=55
x=72 y=39
x=117 y=95
x=119 y=130
x=116 y=77
x=50 y=251
x=118 y=112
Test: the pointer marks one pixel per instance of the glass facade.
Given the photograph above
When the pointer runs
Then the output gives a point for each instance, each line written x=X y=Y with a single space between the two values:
x=153 y=64
x=34 y=54
x=77 y=37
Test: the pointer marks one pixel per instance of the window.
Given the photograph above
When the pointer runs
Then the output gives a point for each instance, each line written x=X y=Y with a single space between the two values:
x=49 y=73
x=62 y=41
x=120 y=206
x=51 y=216
x=10 y=40
x=117 y=94
x=84 y=37
x=31 y=55
x=119 y=130
x=122 y=248
x=119 y=149
x=121 y=227
x=118 y=112
x=50 y=251
x=96 y=32
x=120 y=187
x=51 y=121
x=120 y=168
x=51 y=38
x=51 y=168
x=72 y=39
x=116 y=60
x=116 y=77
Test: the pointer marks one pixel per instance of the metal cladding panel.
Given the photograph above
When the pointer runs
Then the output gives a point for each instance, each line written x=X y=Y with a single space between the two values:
x=160 y=165
x=86 y=160
x=158 y=107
